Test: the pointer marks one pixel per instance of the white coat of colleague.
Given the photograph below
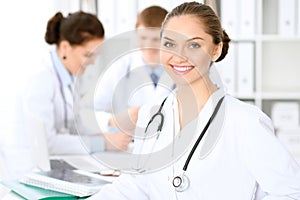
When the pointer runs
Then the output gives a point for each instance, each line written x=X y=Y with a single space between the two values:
x=243 y=160
x=134 y=79
x=49 y=95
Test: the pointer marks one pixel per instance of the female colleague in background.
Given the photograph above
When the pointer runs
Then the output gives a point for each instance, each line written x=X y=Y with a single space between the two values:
x=49 y=96
x=244 y=159
x=135 y=78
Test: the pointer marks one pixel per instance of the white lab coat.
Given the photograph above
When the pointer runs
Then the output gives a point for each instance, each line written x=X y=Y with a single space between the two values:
x=127 y=83
x=43 y=100
x=243 y=161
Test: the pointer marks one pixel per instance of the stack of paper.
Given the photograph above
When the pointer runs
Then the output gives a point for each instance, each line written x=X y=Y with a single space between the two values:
x=30 y=192
x=73 y=182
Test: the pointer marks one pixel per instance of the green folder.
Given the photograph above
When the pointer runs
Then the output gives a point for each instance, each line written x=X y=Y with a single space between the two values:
x=32 y=193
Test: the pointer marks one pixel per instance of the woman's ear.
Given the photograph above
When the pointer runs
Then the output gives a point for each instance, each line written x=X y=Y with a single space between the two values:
x=64 y=47
x=217 y=51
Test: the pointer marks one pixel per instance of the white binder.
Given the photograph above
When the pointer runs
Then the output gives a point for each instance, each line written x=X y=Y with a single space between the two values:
x=229 y=16
x=126 y=13
x=286 y=17
x=107 y=16
x=290 y=138
x=227 y=68
x=245 y=68
x=285 y=114
x=298 y=17
x=247 y=17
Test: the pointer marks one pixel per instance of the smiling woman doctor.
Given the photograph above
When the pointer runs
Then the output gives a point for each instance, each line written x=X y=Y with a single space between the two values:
x=245 y=162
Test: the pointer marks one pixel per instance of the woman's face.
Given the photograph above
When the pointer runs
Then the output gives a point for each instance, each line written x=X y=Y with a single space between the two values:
x=187 y=50
x=80 y=55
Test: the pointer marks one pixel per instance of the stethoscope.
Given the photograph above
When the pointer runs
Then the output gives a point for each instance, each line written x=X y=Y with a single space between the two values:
x=62 y=93
x=182 y=182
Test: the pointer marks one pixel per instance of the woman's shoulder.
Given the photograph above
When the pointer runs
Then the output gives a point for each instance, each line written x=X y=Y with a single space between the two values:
x=43 y=75
x=237 y=106
x=244 y=114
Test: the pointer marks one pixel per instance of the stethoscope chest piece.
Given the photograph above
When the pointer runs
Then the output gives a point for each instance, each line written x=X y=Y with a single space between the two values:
x=181 y=183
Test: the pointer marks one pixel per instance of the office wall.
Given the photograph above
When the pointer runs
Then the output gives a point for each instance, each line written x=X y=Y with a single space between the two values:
x=23 y=24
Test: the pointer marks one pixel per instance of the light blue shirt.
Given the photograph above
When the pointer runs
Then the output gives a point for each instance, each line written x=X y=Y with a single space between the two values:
x=64 y=75
x=157 y=70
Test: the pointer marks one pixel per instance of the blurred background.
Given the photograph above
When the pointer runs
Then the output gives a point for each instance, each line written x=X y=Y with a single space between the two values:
x=262 y=68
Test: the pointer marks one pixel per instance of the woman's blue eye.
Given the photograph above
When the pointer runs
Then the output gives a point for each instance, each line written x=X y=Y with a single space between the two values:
x=169 y=44
x=194 y=46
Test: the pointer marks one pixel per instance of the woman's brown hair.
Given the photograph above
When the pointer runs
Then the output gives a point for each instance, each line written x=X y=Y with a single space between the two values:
x=77 y=28
x=208 y=17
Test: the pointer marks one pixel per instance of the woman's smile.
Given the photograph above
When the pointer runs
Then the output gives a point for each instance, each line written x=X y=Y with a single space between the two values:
x=181 y=69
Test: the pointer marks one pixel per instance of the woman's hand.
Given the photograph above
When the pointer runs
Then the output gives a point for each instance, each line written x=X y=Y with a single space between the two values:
x=126 y=121
x=117 y=141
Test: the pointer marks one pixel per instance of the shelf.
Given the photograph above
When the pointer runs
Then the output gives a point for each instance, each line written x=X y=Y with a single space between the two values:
x=280 y=67
x=280 y=95
x=276 y=66
x=243 y=39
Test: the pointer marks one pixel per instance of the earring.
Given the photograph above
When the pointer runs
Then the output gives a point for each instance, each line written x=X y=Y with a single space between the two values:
x=64 y=57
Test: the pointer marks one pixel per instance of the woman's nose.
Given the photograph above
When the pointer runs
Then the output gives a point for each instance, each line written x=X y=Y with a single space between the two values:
x=179 y=56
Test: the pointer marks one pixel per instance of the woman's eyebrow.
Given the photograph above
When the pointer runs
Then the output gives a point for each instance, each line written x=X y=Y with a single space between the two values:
x=168 y=38
x=195 y=38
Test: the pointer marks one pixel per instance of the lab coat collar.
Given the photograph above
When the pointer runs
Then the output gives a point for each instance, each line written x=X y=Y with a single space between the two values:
x=65 y=77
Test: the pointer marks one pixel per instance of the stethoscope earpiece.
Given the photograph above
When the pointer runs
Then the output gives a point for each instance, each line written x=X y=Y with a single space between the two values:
x=181 y=183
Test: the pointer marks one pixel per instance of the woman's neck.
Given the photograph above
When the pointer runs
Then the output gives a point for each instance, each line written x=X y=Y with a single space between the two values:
x=60 y=56
x=192 y=98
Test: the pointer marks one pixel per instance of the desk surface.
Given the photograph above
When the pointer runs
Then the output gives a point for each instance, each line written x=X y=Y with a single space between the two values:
x=82 y=162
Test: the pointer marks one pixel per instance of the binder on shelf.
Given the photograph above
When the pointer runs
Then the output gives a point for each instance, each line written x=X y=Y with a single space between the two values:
x=298 y=17
x=290 y=138
x=229 y=16
x=287 y=17
x=227 y=69
x=107 y=15
x=125 y=15
x=73 y=182
x=247 y=17
x=285 y=115
x=245 y=68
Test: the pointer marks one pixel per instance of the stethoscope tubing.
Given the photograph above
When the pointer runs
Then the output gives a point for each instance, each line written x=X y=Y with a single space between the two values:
x=181 y=182
x=202 y=134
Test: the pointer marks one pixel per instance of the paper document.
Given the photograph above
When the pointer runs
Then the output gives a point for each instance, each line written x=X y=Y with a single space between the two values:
x=73 y=182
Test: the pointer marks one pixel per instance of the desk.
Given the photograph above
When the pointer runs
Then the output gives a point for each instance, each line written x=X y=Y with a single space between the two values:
x=82 y=162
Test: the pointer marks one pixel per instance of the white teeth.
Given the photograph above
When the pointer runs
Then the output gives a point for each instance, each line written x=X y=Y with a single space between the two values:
x=182 y=69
